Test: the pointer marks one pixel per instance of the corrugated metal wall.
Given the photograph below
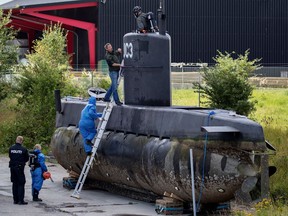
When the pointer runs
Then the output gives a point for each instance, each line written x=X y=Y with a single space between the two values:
x=116 y=19
x=199 y=28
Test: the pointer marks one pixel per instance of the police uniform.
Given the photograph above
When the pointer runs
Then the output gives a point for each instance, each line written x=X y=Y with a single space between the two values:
x=18 y=157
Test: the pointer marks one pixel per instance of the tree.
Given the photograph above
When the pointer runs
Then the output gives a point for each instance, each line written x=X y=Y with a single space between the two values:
x=226 y=84
x=8 y=52
x=47 y=70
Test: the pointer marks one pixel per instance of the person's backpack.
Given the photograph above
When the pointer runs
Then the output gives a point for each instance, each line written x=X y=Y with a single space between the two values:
x=33 y=160
x=151 y=23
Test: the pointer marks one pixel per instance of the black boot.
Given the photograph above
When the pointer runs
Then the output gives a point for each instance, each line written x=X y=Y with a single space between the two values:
x=88 y=142
x=35 y=196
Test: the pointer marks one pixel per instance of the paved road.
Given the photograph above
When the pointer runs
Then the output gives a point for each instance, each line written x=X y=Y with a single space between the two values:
x=57 y=200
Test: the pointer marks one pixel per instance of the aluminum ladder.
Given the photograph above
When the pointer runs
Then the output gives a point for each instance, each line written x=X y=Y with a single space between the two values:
x=96 y=141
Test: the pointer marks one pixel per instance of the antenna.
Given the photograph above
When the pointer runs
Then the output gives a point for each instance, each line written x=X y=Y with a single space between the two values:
x=162 y=17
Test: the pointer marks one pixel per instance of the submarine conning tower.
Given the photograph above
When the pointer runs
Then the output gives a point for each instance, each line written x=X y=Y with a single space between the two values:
x=147 y=61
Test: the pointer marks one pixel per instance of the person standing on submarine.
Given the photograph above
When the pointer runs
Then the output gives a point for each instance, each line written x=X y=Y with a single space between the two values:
x=113 y=60
x=87 y=124
x=145 y=21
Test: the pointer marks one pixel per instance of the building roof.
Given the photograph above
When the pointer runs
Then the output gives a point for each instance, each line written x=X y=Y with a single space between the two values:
x=37 y=3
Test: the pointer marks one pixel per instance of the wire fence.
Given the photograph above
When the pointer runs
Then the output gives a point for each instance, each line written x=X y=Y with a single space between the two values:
x=183 y=75
x=180 y=79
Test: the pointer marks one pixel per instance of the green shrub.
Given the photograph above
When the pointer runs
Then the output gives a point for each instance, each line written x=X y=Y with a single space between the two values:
x=89 y=79
x=8 y=52
x=48 y=69
x=226 y=84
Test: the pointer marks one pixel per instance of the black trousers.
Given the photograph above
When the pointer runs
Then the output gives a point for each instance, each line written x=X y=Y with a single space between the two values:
x=18 y=183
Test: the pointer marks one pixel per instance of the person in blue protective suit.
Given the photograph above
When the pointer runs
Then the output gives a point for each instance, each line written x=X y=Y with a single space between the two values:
x=87 y=124
x=37 y=168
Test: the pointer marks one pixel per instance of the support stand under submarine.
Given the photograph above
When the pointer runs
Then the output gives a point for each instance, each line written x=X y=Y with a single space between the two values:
x=145 y=149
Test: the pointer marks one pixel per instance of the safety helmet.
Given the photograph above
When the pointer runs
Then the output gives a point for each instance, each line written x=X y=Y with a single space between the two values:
x=137 y=10
x=46 y=175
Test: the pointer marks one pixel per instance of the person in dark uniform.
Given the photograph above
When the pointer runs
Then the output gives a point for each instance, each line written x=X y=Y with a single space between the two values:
x=145 y=21
x=113 y=60
x=18 y=157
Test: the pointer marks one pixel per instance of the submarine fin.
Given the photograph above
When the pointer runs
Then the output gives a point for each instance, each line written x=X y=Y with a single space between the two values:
x=249 y=183
x=219 y=129
x=270 y=146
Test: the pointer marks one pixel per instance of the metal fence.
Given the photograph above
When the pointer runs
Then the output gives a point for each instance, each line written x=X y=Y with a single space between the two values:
x=183 y=75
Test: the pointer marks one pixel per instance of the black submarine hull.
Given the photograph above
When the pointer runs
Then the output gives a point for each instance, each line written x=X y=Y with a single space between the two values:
x=147 y=148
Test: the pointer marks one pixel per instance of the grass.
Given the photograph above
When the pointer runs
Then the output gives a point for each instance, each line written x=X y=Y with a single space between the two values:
x=272 y=114
x=184 y=97
x=6 y=114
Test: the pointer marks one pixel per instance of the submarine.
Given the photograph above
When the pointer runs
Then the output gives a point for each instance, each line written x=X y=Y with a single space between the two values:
x=146 y=144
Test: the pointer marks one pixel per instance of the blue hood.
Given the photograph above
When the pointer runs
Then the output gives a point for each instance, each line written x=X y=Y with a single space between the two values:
x=92 y=100
x=37 y=151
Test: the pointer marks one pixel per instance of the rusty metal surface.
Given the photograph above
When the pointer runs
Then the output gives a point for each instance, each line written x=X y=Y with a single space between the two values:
x=158 y=165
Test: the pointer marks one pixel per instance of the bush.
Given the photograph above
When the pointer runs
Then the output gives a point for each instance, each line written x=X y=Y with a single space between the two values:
x=48 y=69
x=226 y=84
x=8 y=52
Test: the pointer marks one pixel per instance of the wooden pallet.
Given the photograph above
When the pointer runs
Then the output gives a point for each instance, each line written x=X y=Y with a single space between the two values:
x=168 y=206
x=69 y=182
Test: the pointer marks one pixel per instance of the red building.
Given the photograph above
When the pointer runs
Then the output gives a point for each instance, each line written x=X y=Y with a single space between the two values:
x=78 y=17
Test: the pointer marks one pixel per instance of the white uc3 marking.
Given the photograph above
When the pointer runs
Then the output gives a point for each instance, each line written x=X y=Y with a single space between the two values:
x=128 y=50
